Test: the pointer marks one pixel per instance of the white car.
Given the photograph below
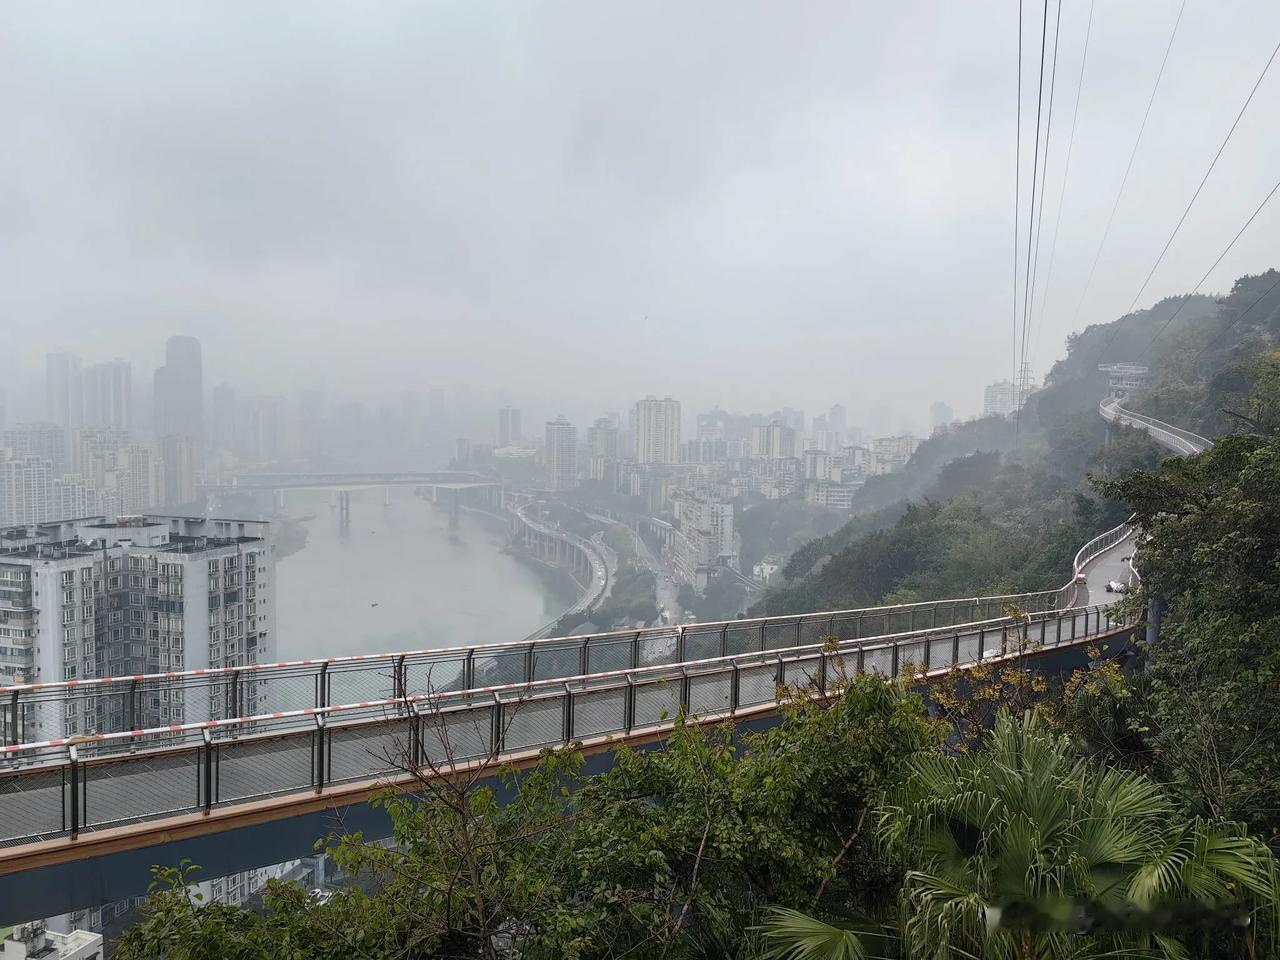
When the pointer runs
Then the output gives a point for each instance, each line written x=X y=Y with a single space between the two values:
x=1115 y=586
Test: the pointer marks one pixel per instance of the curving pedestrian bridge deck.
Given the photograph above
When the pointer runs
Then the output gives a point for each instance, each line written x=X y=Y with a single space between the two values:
x=268 y=753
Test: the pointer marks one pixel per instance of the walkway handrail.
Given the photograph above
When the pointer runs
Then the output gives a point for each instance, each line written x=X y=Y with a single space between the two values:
x=143 y=778
x=444 y=698
x=1175 y=438
x=493 y=649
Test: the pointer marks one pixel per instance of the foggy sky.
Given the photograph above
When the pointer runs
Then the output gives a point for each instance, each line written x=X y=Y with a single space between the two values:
x=753 y=204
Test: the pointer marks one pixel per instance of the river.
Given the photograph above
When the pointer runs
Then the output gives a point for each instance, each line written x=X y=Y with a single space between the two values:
x=395 y=580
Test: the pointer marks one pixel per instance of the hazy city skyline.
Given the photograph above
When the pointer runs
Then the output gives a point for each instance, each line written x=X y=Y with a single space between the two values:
x=795 y=202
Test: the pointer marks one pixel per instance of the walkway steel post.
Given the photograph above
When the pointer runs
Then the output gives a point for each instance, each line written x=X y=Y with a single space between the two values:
x=469 y=670
x=320 y=758
x=629 y=706
x=495 y=729
x=13 y=720
x=566 y=732
x=132 y=722
x=399 y=683
x=206 y=801
x=735 y=688
x=322 y=685
x=74 y=760
x=415 y=736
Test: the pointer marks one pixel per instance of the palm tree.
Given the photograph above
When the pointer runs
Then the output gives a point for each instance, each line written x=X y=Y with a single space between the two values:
x=1023 y=851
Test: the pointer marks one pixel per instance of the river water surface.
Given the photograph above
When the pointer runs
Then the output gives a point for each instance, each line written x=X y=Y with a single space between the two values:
x=395 y=580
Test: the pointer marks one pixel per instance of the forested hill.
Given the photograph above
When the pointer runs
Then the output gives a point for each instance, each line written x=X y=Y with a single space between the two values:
x=1209 y=368
x=969 y=514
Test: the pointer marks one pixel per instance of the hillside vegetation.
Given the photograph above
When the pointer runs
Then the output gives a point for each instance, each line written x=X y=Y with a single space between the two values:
x=971 y=513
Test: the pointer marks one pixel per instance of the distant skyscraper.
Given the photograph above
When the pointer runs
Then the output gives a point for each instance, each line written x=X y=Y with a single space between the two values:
x=793 y=419
x=657 y=431
x=561 y=454
x=64 y=404
x=998 y=399
x=265 y=432
x=178 y=458
x=179 y=391
x=224 y=419
x=508 y=426
x=940 y=413
x=602 y=439
x=108 y=395
x=836 y=419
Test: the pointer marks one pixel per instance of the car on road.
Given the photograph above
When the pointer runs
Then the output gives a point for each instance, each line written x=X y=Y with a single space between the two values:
x=1115 y=586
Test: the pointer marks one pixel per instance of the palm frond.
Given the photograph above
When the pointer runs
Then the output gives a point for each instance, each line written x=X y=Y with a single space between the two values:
x=793 y=935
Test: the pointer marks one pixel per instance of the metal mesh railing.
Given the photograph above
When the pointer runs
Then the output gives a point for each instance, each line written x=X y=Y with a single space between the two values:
x=54 y=791
x=36 y=712
x=1175 y=438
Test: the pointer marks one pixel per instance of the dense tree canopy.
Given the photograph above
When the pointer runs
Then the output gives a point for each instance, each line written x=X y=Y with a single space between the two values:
x=1212 y=555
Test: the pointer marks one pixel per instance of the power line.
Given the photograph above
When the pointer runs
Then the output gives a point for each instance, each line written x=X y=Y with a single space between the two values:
x=1187 y=299
x=1204 y=179
x=1026 y=284
x=1247 y=310
x=1129 y=166
x=1017 y=195
x=1062 y=195
x=1027 y=324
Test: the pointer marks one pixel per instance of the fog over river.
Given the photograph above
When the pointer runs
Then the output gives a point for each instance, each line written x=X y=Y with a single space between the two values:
x=396 y=580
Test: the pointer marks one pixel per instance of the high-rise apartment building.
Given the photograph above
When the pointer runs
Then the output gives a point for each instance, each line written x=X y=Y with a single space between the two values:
x=26 y=488
x=999 y=400
x=107 y=395
x=44 y=440
x=179 y=391
x=508 y=427
x=63 y=400
x=704 y=540
x=602 y=450
x=940 y=414
x=657 y=431
x=602 y=439
x=98 y=597
x=773 y=441
x=560 y=454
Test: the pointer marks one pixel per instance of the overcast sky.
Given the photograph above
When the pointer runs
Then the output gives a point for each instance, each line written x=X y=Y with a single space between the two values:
x=745 y=203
